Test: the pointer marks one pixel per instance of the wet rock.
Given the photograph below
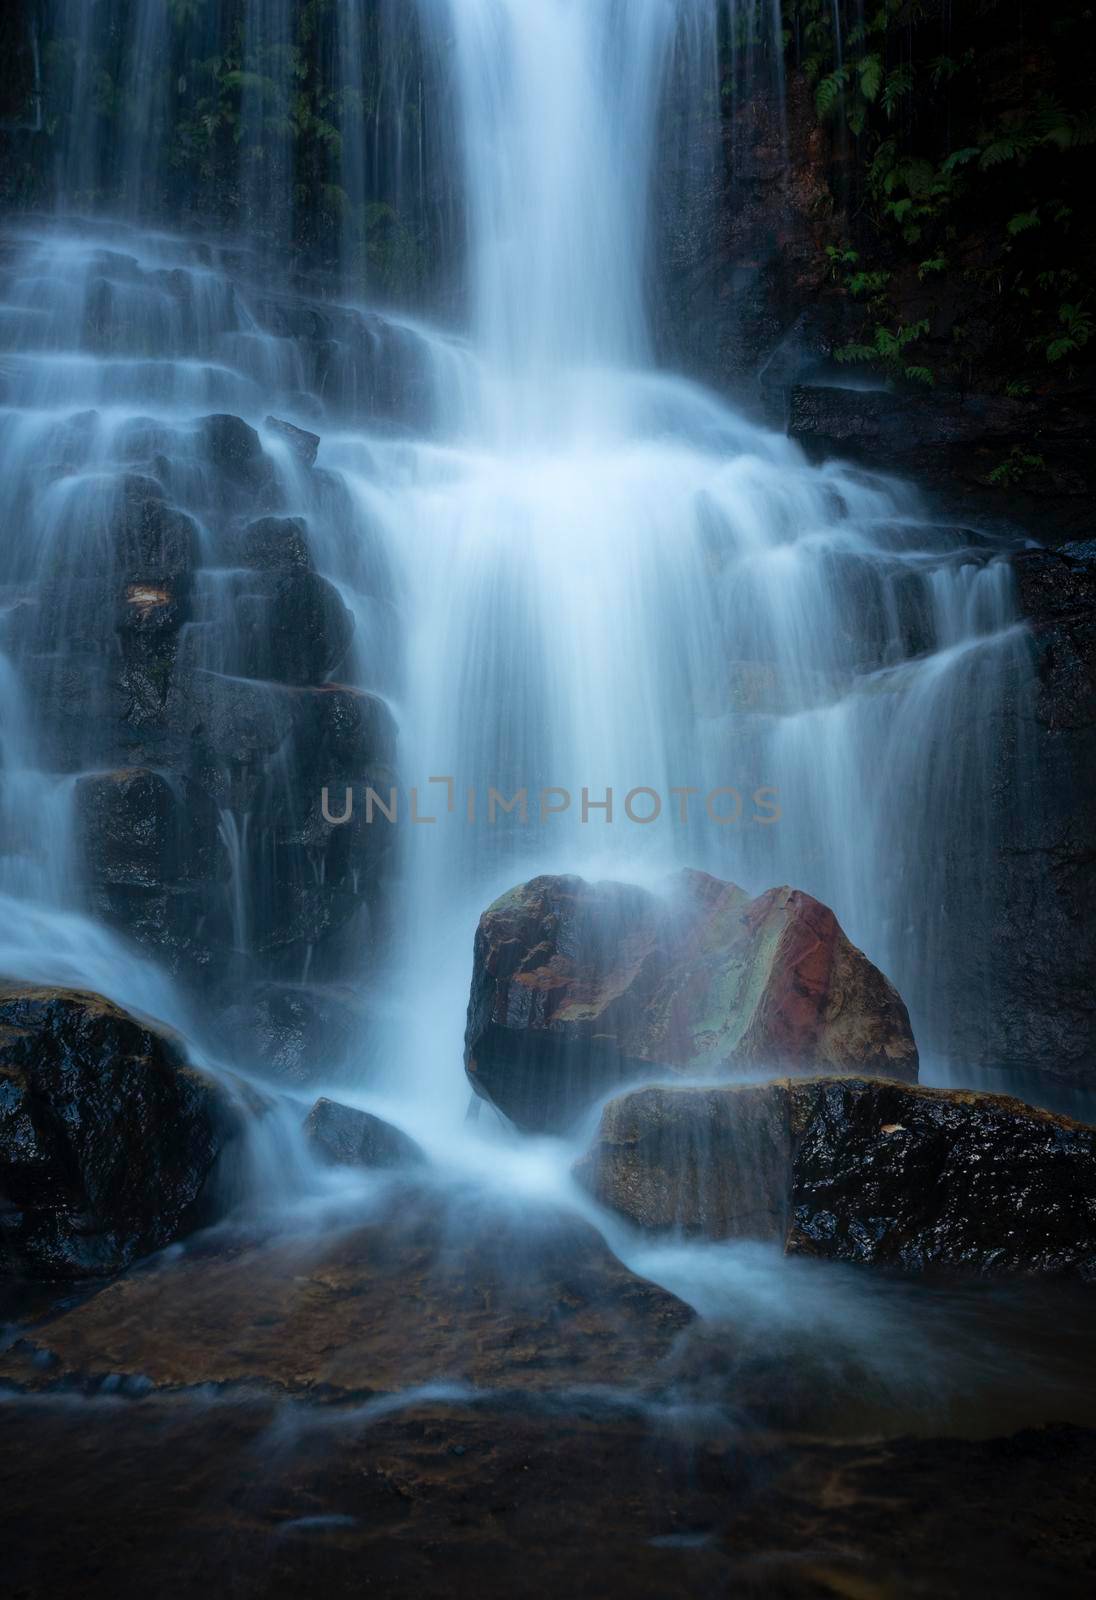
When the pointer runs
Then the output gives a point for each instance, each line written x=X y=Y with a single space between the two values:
x=950 y=441
x=933 y=1180
x=713 y=1162
x=303 y=444
x=136 y=828
x=235 y=449
x=495 y=1295
x=1054 y=585
x=154 y=863
x=108 y=1138
x=273 y=542
x=297 y=1032
x=1038 y=967
x=350 y=1138
x=232 y=720
x=291 y=626
x=68 y=697
x=878 y=1173
x=157 y=545
x=578 y=986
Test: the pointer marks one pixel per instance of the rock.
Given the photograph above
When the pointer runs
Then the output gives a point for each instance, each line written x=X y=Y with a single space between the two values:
x=579 y=986
x=923 y=1180
x=495 y=1295
x=349 y=1138
x=137 y=829
x=154 y=863
x=878 y=1173
x=157 y=546
x=297 y=1032
x=1054 y=585
x=108 y=1138
x=227 y=719
x=236 y=450
x=1037 y=967
x=303 y=444
x=291 y=627
x=711 y=1162
x=139 y=578
x=273 y=542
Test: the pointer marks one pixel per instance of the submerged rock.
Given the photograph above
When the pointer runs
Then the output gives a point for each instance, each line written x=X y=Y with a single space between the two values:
x=350 y=1138
x=578 y=986
x=108 y=1137
x=852 y=1169
x=497 y=1295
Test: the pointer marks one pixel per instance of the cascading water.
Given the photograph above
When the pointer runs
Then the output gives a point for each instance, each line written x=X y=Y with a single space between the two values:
x=570 y=572
x=613 y=582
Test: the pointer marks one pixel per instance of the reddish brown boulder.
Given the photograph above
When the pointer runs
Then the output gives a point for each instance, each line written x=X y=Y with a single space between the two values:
x=577 y=987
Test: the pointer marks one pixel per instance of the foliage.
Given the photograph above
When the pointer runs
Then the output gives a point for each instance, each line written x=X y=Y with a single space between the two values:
x=239 y=121
x=968 y=141
x=1015 y=469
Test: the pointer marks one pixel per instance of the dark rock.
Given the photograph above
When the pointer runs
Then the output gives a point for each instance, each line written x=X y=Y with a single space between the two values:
x=292 y=627
x=157 y=545
x=297 y=1032
x=1038 y=967
x=349 y=1138
x=236 y=450
x=273 y=542
x=154 y=863
x=874 y=1172
x=931 y=1180
x=303 y=444
x=138 y=829
x=576 y=987
x=1057 y=585
x=950 y=443
x=108 y=1138
x=233 y=719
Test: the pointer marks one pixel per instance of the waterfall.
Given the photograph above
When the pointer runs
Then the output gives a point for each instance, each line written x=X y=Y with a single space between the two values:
x=571 y=572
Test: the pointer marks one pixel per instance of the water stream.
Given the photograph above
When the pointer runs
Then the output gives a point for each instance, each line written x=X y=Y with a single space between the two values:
x=570 y=572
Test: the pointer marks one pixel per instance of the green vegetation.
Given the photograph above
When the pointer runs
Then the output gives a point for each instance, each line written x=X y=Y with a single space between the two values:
x=233 y=121
x=964 y=143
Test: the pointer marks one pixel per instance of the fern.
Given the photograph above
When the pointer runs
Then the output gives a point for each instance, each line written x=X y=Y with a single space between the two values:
x=1007 y=147
x=959 y=158
x=899 y=84
x=1024 y=221
x=828 y=93
x=870 y=71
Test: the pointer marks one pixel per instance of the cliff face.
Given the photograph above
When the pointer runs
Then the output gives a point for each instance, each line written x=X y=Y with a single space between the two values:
x=895 y=258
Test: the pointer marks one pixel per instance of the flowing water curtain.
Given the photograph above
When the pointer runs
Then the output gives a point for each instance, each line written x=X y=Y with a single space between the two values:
x=268 y=80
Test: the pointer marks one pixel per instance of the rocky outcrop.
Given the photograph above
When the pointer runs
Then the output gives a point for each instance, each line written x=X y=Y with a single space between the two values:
x=495 y=1295
x=176 y=649
x=291 y=626
x=578 y=986
x=851 y=1169
x=1040 y=962
x=108 y=1138
x=346 y=1137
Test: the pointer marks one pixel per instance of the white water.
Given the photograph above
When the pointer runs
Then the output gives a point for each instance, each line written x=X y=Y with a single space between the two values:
x=604 y=579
